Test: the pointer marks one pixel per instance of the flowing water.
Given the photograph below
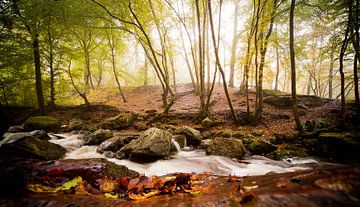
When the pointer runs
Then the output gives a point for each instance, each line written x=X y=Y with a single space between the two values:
x=189 y=161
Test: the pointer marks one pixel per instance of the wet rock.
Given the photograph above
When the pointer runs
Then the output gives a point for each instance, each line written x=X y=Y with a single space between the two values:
x=121 y=121
x=181 y=139
x=109 y=154
x=205 y=143
x=207 y=134
x=97 y=137
x=279 y=101
x=153 y=144
x=30 y=147
x=340 y=146
x=208 y=122
x=42 y=122
x=193 y=136
x=259 y=147
x=258 y=133
x=271 y=92
x=228 y=147
x=16 y=174
x=114 y=144
x=13 y=137
x=13 y=129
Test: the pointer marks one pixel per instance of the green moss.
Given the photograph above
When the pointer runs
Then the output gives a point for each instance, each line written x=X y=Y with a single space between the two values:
x=42 y=122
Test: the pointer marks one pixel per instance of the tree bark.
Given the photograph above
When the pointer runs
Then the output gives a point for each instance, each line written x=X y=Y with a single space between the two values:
x=293 y=68
x=277 y=65
x=356 y=81
x=331 y=75
x=38 y=80
x=218 y=61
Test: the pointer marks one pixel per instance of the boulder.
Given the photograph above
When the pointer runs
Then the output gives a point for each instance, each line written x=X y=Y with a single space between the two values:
x=77 y=124
x=259 y=147
x=153 y=144
x=228 y=147
x=279 y=101
x=13 y=137
x=13 y=129
x=114 y=144
x=317 y=124
x=193 y=136
x=42 y=122
x=33 y=148
x=141 y=126
x=121 y=121
x=208 y=122
x=97 y=137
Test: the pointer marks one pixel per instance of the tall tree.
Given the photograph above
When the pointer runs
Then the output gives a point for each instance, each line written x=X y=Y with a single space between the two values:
x=293 y=67
x=234 y=43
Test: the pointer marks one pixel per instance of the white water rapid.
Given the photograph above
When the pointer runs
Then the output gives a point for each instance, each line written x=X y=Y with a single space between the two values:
x=188 y=161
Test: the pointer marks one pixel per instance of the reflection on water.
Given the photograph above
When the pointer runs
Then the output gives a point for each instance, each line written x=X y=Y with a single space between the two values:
x=190 y=161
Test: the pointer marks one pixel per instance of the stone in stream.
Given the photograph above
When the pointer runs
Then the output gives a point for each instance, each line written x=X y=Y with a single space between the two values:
x=193 y=136
x=114 y=144
x=42 y=122
x=227 y=147
x=78 y=124
x=13 y=137
x=121 y=121
x=97 y=137
x=153 y=144
x=258 y=147
x=33 y=148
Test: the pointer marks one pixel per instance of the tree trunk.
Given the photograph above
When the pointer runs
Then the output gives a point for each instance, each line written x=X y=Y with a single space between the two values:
x=218 y=61
x=277 y=67
x=293 y=69
x=341 y=65
x=356 y=81
x=233 y=45
x=38 y=80
x=146 y=71
x=331 y=74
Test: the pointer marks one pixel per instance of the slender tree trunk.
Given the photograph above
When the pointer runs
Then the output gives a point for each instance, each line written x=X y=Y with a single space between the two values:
x=218 y=61
x=187 y=60
x=341 y=66
x=52 y=78
x=233 y=45
x=277 y=68
x=82 y=95
x=293 y=69
x=356 y=81
x=201 y=68
x=146 y=71
x=331 y=74
x=38 y=80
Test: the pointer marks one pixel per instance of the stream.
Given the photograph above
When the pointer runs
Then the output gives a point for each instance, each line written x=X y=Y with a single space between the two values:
x=194 y=161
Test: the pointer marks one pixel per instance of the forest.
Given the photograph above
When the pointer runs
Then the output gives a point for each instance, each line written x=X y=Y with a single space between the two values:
x=172 y=97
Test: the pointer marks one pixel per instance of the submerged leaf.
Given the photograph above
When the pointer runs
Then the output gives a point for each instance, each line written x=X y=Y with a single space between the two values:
x=38 y=188
x=71 y=183
x=108 y=195
x=143 y=195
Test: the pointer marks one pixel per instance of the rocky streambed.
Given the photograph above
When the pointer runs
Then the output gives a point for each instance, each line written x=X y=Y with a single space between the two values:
x=164 y=167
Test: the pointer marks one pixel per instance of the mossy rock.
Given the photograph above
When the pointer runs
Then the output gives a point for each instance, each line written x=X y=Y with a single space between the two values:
x=288 y=151
x=271 y=92
x=42 y=122
x=228 y=147
x=260 y=147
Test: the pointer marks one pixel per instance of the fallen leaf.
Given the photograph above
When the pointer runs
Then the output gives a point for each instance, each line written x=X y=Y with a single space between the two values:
x=249 y=187
x=71 y=183
x=38 y=188
x=142 y=196
x=108 y=195
x=106 y=185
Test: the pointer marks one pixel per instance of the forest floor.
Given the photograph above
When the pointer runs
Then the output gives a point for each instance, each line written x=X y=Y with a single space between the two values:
x=142 y=100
